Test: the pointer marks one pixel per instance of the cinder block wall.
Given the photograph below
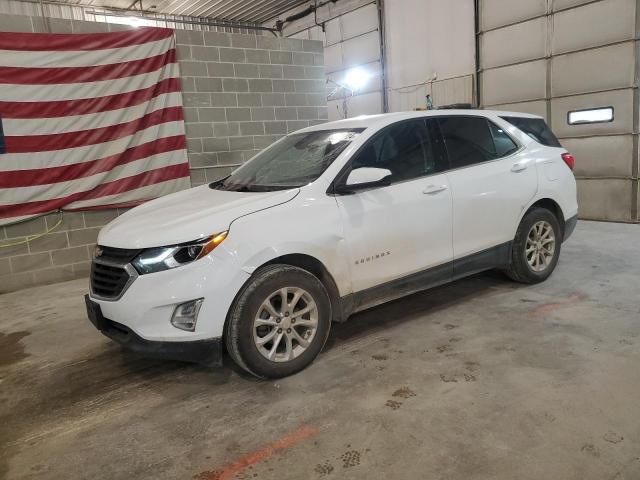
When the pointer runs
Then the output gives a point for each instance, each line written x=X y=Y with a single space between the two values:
x=240 y=93
x=243 y=92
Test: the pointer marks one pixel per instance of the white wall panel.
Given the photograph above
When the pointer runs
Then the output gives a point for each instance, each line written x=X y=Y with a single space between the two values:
x=517 y=43
x=352 y=24
x=316 y=33
x=359 y=22
x=538 y=107
x=443 y=92
x=562 y=4
x=593 y=25
x=374 y=70
x=602 y=156
x=593 y=70
x=525 y=81
x=335 y=110
x=326 y=14
x=620 y=100
x=426 y=38
x=452 y=90
x=351 y=38
x=579 y=54
x=333 y=32
x=333 y=58
x=365 y=104
x=497 y=13
x=605 y=199
x=362 y=49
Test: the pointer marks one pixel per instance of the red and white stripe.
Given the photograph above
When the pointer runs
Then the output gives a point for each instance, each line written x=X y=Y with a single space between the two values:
x=90 y=121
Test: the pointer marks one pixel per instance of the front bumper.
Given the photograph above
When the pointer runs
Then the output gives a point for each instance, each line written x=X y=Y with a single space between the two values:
x=206 y=352
x=150 y=301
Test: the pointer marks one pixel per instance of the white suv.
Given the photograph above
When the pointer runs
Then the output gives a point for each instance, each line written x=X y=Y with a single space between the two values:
x=328 y=221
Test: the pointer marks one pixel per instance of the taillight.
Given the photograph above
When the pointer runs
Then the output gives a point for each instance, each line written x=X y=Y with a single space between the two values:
x=569 y=160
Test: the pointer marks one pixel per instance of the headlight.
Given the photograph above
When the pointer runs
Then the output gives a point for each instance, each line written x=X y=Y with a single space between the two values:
x=164 y=258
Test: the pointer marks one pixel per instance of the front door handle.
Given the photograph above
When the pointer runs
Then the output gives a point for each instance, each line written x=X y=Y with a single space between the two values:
x=433 y=189
x=520 y=166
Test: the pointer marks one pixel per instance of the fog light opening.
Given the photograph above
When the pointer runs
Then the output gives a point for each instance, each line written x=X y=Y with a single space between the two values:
x=185 y=315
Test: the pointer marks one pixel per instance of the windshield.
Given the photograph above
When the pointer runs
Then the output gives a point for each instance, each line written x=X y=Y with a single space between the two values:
x=294 y=161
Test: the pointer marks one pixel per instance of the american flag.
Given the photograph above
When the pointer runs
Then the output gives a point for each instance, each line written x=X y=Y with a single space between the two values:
x=89 y=121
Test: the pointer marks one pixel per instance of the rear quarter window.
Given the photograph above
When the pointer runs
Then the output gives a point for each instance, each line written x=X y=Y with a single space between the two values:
x=472 y=140
x=468 y=140
x=536 y=128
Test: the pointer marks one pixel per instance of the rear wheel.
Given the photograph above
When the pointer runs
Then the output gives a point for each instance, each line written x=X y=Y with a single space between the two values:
x=279 y=322
x=536 y=247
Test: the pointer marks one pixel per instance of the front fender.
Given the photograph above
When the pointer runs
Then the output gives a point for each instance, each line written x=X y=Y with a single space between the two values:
x=310 y=226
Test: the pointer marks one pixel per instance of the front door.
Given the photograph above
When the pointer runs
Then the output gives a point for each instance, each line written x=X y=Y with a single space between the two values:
x=404 y=228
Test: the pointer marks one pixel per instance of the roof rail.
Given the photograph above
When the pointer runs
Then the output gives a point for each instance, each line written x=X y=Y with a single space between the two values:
x=457 y=106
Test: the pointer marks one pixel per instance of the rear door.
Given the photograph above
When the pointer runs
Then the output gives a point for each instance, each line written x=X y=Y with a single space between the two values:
x=492 y=180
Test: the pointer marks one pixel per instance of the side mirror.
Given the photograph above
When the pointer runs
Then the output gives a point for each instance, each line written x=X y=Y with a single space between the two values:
x=365 y=177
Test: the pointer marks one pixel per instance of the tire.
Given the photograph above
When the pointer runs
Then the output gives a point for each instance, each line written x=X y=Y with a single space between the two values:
x=520 y=267
x=255 y=311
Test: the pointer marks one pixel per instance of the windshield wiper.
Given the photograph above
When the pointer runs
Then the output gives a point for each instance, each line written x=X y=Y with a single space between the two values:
x=249 y=187
x=245 y=188
x=231 y=187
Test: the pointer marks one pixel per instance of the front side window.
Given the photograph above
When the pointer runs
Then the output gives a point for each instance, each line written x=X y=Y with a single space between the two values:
x=294 y=161
x=404 y=149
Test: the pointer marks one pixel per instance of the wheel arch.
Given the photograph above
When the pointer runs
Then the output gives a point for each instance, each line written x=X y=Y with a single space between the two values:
x=314 y=266
x=551 y=205
x=547 y=203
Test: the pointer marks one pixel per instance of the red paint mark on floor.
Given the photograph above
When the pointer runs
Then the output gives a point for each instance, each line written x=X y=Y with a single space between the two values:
x=547 y=308
x=265 y=452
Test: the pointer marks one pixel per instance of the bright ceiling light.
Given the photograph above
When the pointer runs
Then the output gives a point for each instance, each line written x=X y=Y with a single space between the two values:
x=133 y=21
x=356 y=78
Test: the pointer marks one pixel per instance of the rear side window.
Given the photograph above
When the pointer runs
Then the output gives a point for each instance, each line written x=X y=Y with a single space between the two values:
x=536 y=128
x=471 y=140
x=503 y=143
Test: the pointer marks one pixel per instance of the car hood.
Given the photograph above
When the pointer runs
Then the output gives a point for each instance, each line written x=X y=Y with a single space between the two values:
x=185 y=216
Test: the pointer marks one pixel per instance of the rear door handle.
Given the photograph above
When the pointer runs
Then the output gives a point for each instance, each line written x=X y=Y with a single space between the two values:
x=518 y=167
x=433 y=189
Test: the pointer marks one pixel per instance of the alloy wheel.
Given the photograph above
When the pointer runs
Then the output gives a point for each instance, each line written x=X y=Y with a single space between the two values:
x=540 y=246
x=285 y=324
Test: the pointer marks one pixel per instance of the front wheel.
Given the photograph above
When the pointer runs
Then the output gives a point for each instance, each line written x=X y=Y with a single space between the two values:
x=536 y=247
x=279 y=322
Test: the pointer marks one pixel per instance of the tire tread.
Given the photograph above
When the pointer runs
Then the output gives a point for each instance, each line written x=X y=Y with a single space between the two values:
x=517 y=270
x=232 y=328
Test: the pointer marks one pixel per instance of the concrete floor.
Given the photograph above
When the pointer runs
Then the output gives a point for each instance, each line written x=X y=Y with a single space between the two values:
x=480 y=379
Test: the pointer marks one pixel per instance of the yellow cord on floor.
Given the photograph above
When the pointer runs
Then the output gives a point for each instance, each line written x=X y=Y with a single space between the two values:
x=30 y=238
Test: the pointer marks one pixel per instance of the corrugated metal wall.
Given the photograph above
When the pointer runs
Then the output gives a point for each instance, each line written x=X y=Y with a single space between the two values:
x=351 y=39
x=430 y=51
x=550 y=57
x=55 y=12
x=423 y=38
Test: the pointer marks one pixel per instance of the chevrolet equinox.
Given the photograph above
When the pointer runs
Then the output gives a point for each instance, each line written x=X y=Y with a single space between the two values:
x=328 y=221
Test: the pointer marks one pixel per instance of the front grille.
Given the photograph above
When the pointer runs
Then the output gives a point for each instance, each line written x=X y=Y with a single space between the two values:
x=120 y=256
x=108 y=281
x=110 y=272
